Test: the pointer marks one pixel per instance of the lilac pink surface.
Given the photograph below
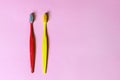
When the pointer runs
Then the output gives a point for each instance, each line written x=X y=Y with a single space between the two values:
x=84 y=37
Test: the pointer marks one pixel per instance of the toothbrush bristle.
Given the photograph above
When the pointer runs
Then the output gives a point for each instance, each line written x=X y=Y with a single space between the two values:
x=31 y=17
x=45 y=17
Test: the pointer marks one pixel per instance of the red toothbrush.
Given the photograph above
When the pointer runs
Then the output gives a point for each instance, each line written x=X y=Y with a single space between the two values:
x=32 y=43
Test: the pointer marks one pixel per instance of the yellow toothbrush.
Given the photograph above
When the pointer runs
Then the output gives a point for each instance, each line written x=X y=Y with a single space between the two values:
x=44 y=44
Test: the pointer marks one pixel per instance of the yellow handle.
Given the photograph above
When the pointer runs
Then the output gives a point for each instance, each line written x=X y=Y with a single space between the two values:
x=44 y=49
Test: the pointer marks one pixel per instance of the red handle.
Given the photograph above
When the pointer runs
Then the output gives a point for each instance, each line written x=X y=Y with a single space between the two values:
x=32 y=48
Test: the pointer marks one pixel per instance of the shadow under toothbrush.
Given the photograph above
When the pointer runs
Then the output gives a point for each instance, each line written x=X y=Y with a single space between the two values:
x=35 y=49
x=48 y=40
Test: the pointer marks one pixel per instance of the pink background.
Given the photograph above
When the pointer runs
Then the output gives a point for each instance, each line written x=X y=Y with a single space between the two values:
x=84 y=39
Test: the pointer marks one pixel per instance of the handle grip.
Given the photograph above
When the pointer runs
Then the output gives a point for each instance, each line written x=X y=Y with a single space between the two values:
x=32 y=48
x=44 y=49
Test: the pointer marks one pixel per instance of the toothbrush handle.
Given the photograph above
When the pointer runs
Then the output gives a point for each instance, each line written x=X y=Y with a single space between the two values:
x=44 y=49
x=32 y=48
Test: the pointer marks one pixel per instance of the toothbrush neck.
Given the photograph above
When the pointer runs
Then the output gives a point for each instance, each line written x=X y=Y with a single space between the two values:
x=31 y=27
x=45 y=27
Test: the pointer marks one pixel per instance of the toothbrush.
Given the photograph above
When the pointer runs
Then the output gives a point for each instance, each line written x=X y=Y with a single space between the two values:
x=44 y=44
x=32 y=43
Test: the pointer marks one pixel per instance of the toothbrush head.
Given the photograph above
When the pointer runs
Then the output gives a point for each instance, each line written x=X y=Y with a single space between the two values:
x=31 y=18
x=45 y=17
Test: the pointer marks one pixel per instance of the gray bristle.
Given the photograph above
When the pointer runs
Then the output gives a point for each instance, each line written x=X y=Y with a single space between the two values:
x=31 y=17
